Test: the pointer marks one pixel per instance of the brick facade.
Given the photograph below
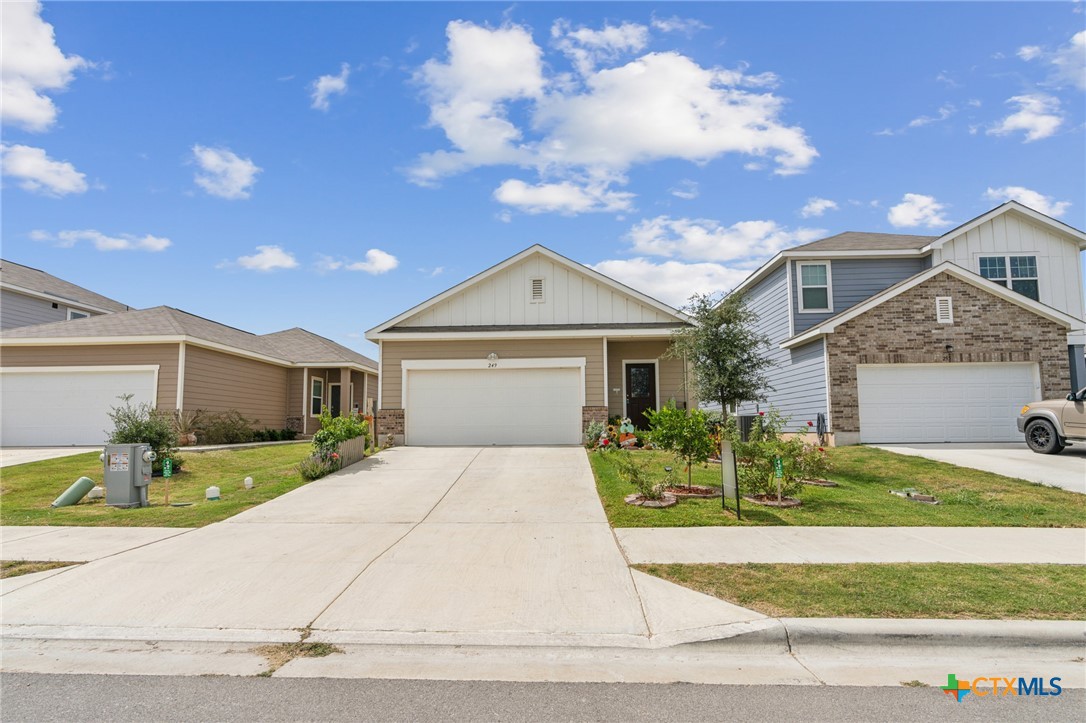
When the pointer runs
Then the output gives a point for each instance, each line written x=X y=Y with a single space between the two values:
x=903 y=330
x=390 y=421
x=592 y=414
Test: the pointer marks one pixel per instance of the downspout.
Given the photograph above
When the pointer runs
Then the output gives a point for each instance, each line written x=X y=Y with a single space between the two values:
x=606 y=385
x=305 y=401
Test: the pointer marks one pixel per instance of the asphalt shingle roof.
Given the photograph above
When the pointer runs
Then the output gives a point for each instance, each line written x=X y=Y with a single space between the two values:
x=36 y=280
x=864 y=241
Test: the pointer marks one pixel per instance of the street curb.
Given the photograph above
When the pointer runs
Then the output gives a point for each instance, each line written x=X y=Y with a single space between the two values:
x=944 y=633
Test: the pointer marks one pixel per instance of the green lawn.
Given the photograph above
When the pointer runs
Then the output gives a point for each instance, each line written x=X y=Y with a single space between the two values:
x=970 y=498
x=15 y=568
x=27 y=490
x=929 y=590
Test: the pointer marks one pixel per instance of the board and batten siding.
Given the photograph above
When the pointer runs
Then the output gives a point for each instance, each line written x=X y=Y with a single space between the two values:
x=570 y=297
x=1059 y=268
x=21 y=310
x=394 y=352
x=219 y=382
x=671 y=381
x=852 y=281
x=163 y=355
x=798 y=376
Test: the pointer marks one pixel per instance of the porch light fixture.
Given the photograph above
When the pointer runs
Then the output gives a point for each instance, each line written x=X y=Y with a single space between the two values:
x=492 y=357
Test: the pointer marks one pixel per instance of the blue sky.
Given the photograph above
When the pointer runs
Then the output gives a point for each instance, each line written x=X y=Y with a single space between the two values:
x=330 y=165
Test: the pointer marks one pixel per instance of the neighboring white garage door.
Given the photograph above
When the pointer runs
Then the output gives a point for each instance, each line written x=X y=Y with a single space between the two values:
x=67 y=405
x=944 y=402
x=493 y=406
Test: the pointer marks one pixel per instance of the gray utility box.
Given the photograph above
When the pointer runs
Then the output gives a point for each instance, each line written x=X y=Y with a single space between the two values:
x=127 y=473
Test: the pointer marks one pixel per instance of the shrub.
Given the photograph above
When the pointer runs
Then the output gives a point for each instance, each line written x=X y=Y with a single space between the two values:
x=755 y=458
x=287 y=435
x=336 y=430
x=142 y=424
x=228 y=427
x=632 y=471
x=592 y=434
x=683 y=433
x=318 y=465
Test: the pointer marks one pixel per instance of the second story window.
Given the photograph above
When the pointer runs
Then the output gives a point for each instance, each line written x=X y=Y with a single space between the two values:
x=814 y=287
x=1018 y=273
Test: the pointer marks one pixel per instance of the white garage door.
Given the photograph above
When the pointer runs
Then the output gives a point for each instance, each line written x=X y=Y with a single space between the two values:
x=65 y=406
x=944 y=402
x=493 y=406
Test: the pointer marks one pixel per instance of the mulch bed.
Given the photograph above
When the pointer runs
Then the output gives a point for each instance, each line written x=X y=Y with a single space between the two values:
x=771 y=501
x=819 y=483
x=668 y=500
x=694 y=491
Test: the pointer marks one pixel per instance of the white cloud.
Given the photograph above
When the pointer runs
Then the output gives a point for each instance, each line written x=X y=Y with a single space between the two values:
x=917 y=210
x=686 y=189
x=38 y=173
x=597 y=125
x=566 y=197
x=266 y=258
x=702 y=239
x=1069 y=63
x=675 y=24
x=102 y=242
x=30 y=66
x=1029 y=52
x=1035 y=200
x=586 y=48
x=377 y=262
x=1038 y=115
x=327 y=85
x=817 y=206
x=944 y=112
x=672 y=282
x=225 y=174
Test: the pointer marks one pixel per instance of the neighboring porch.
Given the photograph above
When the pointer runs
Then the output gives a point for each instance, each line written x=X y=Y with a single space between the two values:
x=343 y=390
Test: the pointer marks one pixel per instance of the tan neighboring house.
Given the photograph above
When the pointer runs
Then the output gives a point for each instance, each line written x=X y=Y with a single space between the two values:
x=58 y=381
x=29 y=296
x=527 y=352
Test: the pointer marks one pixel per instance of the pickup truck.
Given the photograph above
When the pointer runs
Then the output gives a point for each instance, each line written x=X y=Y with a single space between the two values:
x=1053 y=424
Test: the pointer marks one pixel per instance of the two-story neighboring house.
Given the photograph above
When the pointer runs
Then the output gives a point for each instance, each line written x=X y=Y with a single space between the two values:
x=29 y=296
x=896 y=338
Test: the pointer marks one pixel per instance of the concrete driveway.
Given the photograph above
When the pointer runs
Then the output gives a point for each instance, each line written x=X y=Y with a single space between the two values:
x=21 y=455
x=460 y=545
x=1066 y=470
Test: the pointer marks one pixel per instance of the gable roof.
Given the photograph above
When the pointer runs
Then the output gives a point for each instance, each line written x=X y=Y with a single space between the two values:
x=830 y=325
x=1017 y=207
x=167 y=324
x=36 y=282
x=557 y=258
x=864 y=241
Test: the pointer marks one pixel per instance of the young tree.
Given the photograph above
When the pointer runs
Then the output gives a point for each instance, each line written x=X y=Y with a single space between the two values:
x=724 y=350
x=683 y=433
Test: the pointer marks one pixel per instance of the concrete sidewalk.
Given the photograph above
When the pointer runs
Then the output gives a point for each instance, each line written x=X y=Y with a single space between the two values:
x=77 y=544
x=10 y=456
x=987 y=545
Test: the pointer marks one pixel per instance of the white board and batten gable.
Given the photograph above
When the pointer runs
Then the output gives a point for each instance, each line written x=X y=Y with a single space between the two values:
x=1016 y=230
x=539 y=292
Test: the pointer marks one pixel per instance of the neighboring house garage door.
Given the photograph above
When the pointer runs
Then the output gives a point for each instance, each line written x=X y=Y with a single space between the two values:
x=493 y=406
x=66 y=406
x=944 y=402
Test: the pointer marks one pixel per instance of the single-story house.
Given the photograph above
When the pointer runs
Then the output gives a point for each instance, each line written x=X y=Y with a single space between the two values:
x=899 y=338
x=58 y=381
x=29 y=296
x=527 y=352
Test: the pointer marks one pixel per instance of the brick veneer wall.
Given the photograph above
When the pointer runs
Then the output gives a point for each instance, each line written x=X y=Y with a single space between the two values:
x=903 y=330
x=592 y=414
x=390 y=421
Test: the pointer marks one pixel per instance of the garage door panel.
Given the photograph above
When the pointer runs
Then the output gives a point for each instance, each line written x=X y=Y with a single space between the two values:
x=65 y=407
x=943 y=402
x=493 y=406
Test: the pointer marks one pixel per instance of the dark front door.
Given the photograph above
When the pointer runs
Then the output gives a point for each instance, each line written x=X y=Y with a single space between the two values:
x=640 y=393
x=335 y=405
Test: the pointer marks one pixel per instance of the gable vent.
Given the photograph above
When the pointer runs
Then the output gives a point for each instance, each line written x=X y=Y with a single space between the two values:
x=944 y=310
x=537 y=290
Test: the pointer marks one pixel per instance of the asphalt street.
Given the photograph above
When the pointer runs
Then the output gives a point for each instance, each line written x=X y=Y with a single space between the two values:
x=27 y=697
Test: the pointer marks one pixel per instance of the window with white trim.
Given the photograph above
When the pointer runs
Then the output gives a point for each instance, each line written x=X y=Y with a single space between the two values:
x=73 y=314
x=537 y=290
x=316 y=393
x=1018 y=273
x=814 y=287
x=944 y=310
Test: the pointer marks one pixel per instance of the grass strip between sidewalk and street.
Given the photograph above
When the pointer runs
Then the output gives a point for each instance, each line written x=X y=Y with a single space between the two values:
x=15 y=568
x=28 y=490
x=884 y=590
x=865 y=475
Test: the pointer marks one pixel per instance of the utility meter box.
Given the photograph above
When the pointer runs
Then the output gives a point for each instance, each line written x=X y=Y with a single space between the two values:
x=127 y=473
